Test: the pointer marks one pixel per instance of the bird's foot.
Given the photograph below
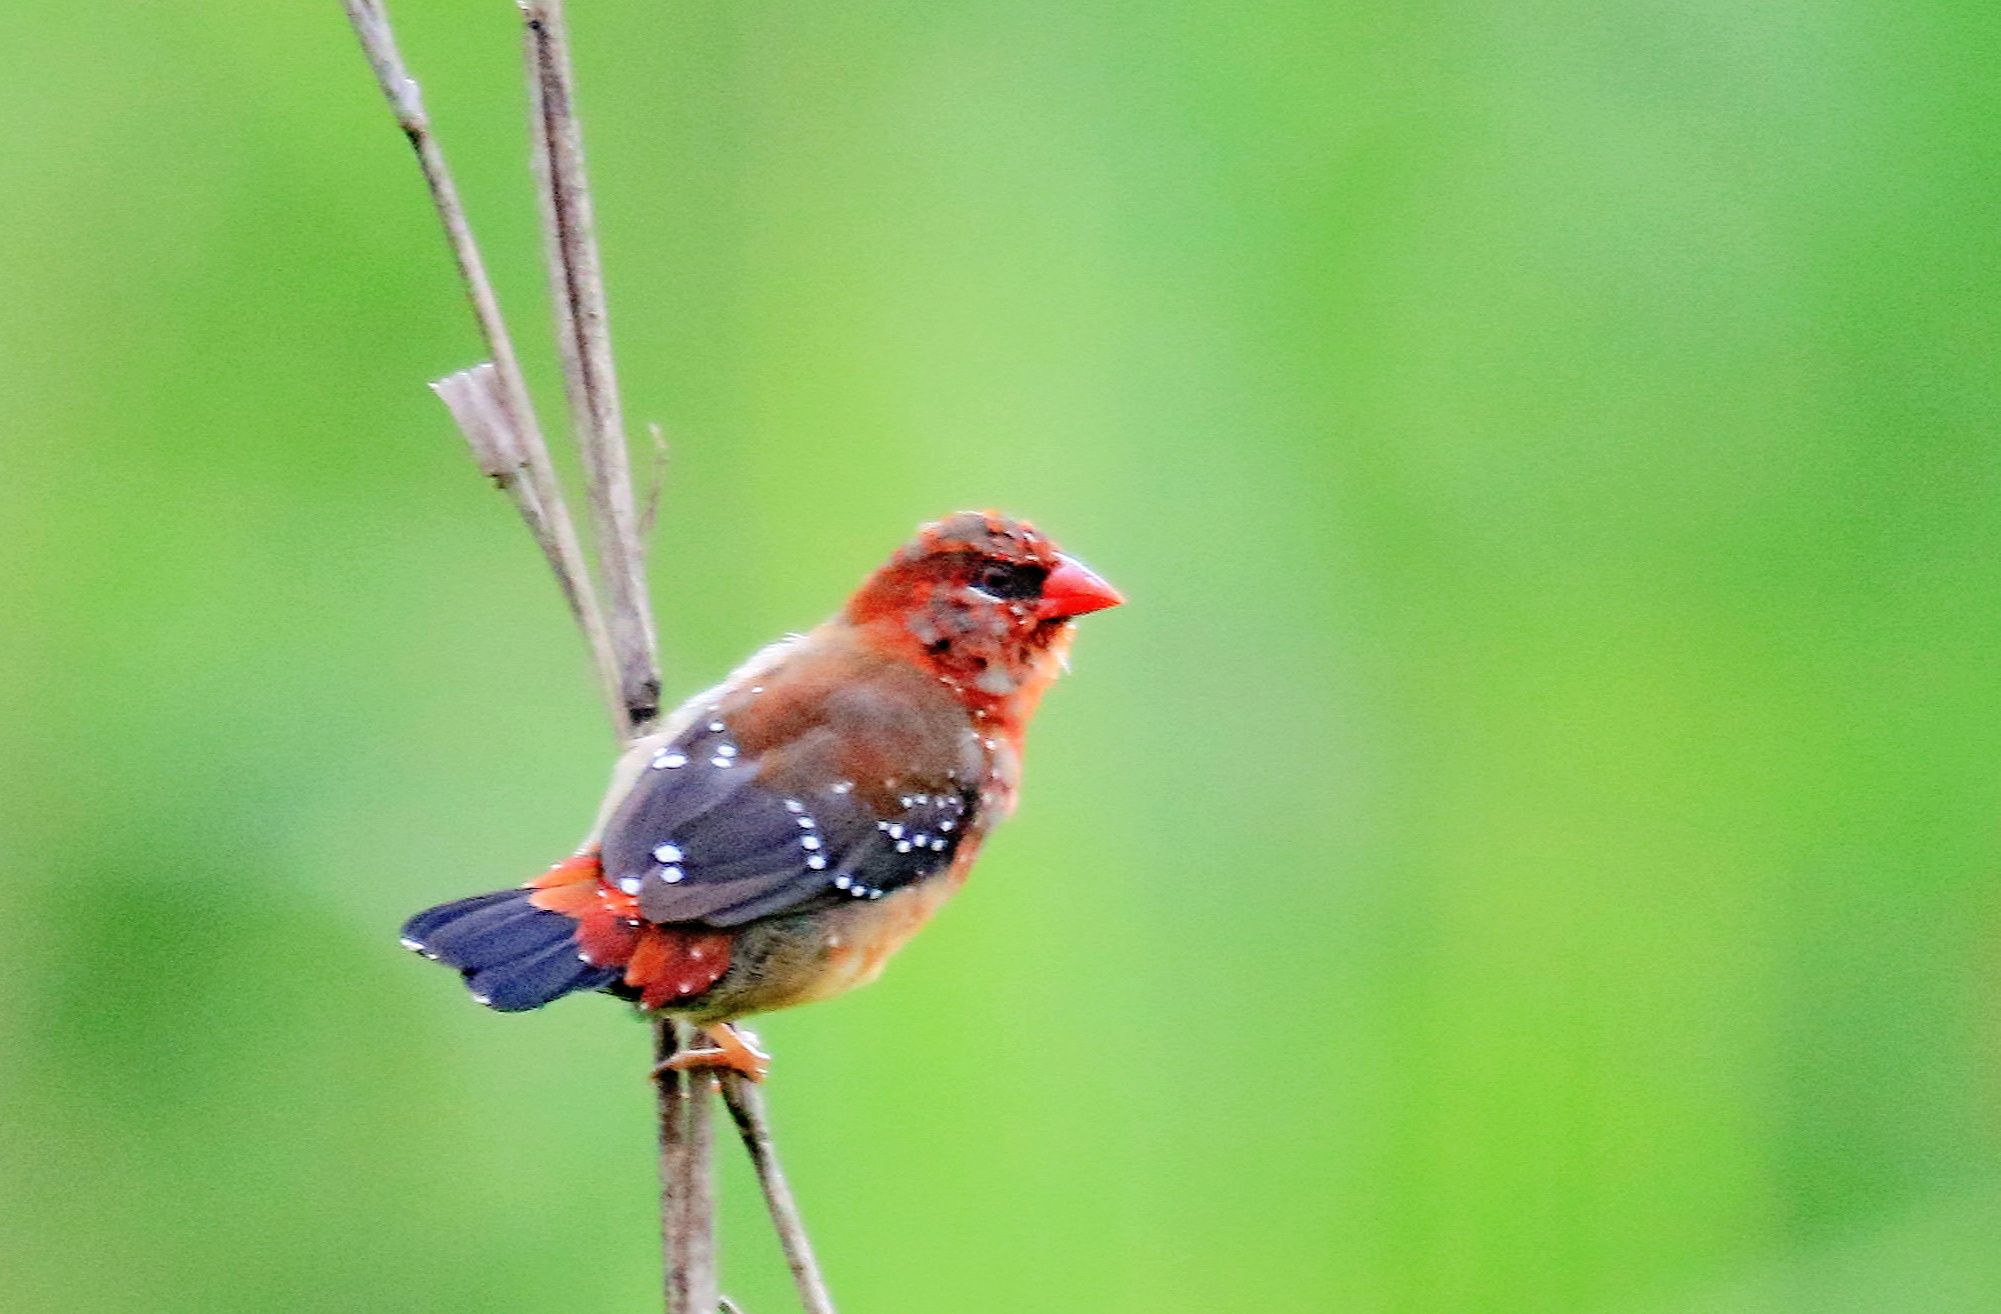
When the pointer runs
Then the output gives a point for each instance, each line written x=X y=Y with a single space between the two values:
x=730 y=1049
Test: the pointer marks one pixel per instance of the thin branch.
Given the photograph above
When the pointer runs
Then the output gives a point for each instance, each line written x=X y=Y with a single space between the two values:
x=746 y=1106
x=583 y=336
x=687 y=1176
x=529 y=454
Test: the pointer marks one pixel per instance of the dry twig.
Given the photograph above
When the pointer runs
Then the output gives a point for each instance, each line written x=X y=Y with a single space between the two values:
x=542 y=504
x=687 y=1178
x=583 y=337
x=583 y=340
x=746 y=1105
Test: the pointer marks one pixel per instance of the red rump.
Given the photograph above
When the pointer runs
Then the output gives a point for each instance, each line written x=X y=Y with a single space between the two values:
x=662 y=963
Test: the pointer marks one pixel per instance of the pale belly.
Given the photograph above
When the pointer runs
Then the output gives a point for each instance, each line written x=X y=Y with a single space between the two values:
x=801 y=959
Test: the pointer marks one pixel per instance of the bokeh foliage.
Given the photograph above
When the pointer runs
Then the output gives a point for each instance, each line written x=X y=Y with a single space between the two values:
x=1529 y=845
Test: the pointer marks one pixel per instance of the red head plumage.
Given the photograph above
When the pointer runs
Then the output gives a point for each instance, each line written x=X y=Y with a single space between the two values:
x=984 y=602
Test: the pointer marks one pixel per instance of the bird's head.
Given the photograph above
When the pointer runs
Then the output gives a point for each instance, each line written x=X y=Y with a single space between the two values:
x=984 y=602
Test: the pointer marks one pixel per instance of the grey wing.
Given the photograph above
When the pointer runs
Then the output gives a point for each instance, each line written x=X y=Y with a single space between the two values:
x=700 y=839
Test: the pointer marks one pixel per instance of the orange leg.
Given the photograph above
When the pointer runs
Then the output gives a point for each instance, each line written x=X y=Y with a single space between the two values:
x=730 y=1049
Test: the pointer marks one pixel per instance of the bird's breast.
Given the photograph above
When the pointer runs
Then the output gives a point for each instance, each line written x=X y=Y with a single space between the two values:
x=817 y=955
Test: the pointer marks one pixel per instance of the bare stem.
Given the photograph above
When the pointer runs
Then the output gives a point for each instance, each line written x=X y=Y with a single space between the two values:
x=746 y=1106
x=687 y=1177
x=583 y=337
x=525 y=452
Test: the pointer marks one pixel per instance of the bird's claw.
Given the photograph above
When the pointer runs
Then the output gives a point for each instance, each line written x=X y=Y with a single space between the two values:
x=732 y=1049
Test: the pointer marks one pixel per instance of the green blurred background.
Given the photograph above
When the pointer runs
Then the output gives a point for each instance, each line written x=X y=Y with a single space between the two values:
x=1530 y=844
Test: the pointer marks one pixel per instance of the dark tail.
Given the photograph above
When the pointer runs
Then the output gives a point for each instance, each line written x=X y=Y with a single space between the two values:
x=513 y=955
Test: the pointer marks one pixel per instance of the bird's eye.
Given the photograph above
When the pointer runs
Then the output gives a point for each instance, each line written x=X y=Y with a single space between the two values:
x=1007 y=579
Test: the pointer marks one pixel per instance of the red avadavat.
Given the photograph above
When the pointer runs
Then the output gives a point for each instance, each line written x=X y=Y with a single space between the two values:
x=787 y=831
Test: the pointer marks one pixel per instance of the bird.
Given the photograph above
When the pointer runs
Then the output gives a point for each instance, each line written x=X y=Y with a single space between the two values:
x=780 y=836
